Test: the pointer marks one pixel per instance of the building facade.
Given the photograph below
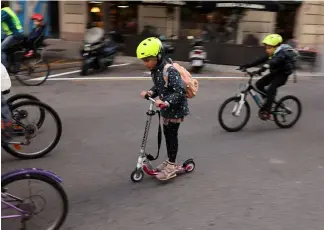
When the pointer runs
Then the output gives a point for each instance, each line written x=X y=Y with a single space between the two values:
x=308 y=26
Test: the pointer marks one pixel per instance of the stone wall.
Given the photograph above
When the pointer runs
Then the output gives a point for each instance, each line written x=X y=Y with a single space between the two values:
x=309 y=29
x=157 y=16
x=73 y=18
x=258 y=23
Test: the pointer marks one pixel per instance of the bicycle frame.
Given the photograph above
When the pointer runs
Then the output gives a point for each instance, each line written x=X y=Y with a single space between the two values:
x=9 y=205
x=253 y=91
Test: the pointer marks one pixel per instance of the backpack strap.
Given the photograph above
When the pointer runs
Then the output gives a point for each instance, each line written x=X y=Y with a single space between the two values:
x=165 y=69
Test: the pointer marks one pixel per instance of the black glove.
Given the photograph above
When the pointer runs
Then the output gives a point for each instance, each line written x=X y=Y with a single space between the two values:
x=259 y=71
x=242 y=68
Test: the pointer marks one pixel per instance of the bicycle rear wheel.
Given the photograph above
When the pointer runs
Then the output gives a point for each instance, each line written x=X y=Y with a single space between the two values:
x=23 y=96
x=29 y=205
x=30 y=131
x=281 y=111
x=33 y=72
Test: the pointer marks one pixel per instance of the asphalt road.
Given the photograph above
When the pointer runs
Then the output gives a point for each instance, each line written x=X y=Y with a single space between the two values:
x=260 y=178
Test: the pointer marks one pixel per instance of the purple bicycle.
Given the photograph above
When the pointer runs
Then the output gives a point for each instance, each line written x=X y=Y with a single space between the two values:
x=17 y=210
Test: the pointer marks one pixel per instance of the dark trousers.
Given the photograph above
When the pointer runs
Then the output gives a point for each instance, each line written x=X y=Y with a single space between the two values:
x=171 y=138
x=274 y=81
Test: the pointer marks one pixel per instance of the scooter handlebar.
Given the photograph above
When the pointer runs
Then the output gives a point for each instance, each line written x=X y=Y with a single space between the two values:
x=161 y=106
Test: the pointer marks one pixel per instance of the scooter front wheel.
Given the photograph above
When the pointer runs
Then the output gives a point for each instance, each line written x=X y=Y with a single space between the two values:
x=137 y=175
x=196 y=69
x=84 y=69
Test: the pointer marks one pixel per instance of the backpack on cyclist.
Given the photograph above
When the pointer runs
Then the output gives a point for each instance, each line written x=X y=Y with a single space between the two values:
x=190 y=83
x=293 y=54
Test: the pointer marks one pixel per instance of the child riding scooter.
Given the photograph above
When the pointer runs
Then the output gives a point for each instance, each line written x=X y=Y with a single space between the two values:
x=171 y=94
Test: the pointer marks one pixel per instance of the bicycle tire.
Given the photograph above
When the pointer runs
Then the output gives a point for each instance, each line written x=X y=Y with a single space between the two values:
x=28 y=82
x=24 y=96
x=58 y=122
x=277 y=107
x=56 y=185
x=221 y=110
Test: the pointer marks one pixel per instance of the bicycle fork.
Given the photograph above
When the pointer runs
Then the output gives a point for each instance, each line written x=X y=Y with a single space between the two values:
x=238 y=106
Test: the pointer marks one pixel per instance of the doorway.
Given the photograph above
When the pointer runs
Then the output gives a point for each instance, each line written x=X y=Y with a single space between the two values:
x=53 y=9
x=286 y=20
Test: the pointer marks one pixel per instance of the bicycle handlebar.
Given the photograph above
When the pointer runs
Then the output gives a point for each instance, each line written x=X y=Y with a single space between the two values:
x=251 y=74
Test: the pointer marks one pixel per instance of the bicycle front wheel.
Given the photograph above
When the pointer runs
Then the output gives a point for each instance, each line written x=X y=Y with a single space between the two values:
x=23 y=128
x=33 y=72
x=244 y=116
x=34 y=205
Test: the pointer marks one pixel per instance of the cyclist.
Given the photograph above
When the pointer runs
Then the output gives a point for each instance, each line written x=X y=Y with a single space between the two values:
x=172 y=94
x=6 y=119
x=36 y=33
x=12 y=29
x=280 y=65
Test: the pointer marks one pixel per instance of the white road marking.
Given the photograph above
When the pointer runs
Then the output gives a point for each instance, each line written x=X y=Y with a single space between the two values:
x=133 y=78
x=276 y=161
x=138 y=78
x=75 y=71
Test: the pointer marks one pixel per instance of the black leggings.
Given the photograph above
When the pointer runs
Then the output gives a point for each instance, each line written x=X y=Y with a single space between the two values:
x=171 y=138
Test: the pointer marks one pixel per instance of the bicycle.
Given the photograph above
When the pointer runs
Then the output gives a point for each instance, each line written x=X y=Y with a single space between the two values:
x=14 y=207
x=29 y=130
x=20 y=66
x=279 y=110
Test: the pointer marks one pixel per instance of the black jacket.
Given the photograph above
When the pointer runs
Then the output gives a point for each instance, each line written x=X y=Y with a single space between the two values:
x=174 y=92
x=279 y=63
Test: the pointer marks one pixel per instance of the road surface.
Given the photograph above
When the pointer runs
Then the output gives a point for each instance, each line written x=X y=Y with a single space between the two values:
x=262 y=177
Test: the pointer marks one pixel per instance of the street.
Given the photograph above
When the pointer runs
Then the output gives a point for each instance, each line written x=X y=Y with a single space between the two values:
x=262 y=177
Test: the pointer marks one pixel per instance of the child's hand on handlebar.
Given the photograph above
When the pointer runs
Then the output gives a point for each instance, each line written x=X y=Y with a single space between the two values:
x=161 y=104
x=144 y=94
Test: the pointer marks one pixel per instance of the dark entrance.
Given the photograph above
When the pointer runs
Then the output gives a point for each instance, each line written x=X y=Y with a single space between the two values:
x=53 y=9
x=286 y=20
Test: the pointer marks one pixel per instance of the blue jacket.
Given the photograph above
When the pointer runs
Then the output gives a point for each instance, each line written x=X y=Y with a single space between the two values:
x=174 y=92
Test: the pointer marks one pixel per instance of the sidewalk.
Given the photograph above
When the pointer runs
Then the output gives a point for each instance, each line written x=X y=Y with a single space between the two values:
x=60 y=50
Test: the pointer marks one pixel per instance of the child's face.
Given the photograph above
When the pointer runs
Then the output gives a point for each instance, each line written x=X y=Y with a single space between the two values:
x=270 y=49
x=36 y=23
x=150 y=62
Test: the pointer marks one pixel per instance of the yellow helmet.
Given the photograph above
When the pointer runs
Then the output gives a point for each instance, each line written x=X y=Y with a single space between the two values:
x=150 y=47
x=272 y=40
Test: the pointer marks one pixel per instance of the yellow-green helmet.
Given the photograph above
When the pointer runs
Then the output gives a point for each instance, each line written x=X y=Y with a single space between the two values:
x=272 y=40
x=150 y=47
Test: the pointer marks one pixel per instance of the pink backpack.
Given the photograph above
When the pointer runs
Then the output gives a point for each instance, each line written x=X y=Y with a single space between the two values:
x=190 y=83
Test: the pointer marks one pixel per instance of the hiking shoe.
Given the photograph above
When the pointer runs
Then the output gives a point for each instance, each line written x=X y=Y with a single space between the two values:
x=168 y=172
x=161 y=166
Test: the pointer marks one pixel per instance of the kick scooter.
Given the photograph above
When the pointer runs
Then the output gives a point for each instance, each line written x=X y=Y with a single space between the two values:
x=144 y=160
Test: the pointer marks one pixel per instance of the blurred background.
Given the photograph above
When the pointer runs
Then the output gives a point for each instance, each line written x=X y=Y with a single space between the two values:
x=232 y=29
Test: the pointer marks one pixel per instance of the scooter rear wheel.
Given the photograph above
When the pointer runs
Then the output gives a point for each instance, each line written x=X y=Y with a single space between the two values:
x=190 y=166
x=137 y=175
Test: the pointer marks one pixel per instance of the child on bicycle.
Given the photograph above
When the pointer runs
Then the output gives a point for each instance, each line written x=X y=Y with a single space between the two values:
x=172 y=94
x=30 y=45
x=280 y=66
